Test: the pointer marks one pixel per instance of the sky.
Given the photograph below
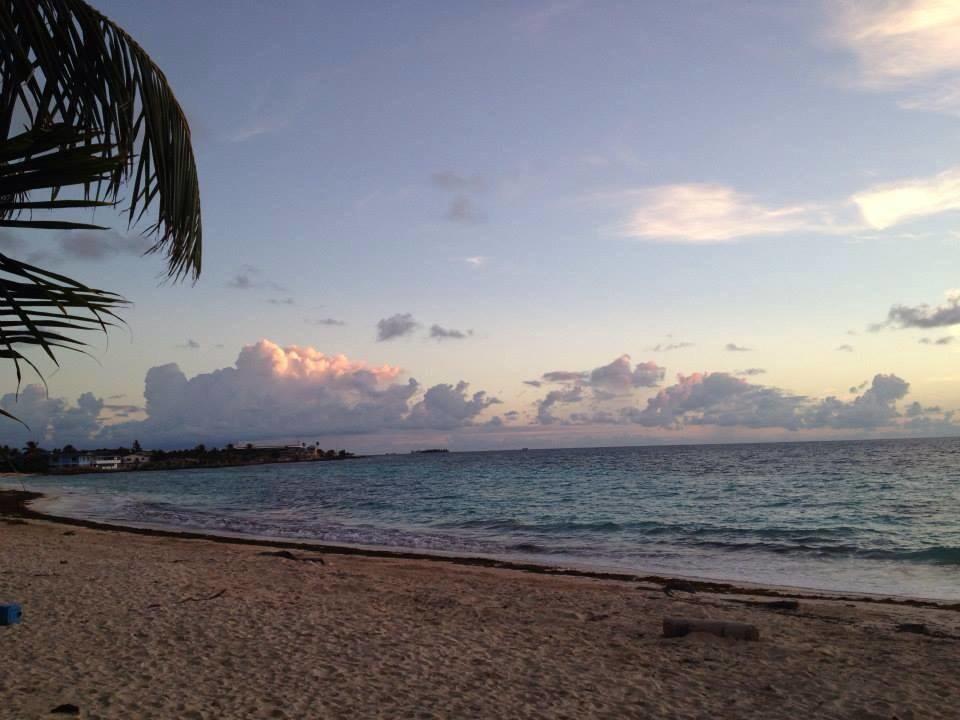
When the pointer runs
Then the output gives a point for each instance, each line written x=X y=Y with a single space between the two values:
x=536 y=224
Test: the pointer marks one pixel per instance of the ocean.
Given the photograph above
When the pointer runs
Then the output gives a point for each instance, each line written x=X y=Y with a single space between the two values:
x=877 y=517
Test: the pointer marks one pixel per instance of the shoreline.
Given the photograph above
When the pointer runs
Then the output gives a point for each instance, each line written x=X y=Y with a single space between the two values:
x=152 y=467
x=123 y=623
x=15 y=504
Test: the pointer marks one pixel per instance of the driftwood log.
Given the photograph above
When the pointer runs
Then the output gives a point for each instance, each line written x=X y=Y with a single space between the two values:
x=772 y=604
x=679 y=627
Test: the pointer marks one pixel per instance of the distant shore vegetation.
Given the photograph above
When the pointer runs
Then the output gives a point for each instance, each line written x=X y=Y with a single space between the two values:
x=69 y=460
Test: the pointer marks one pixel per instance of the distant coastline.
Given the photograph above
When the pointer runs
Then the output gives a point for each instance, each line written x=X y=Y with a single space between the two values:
x=155 y=467
x=71 y=461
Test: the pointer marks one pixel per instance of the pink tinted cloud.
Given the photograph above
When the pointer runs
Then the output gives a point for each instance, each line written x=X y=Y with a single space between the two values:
x=308 y=364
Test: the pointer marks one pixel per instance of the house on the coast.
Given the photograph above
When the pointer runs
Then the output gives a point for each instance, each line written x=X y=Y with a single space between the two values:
x=284 y=451
x=96 y=460
x=135 y=458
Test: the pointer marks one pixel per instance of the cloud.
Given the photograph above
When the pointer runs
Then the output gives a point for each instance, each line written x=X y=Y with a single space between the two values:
x=701 y=213
x=733 y=347
x=52 y=422
x=448 y=406
x=716 y=398
x=704 y=213
x=399 y=325
x=721 y=399
x=606 y=382
x=671 y=346
x=98 y=245
x=873 y=409
x=458 y=183
x=845 y=348
x=241 y=281
x=924 y=316
x=890 y=204
x=724 y=400
x=272 y=104
x=251 y=278
x=463 y=210
x=190 y=344
x=330 y=322
x=10 y=242
x=750 y=372
x=910 y=46
x=441 y=333
x=80 y=246
x=946 y=340
x=564 y=376
x=619 y=378
x=554 y=397
x=292 y=392
x=543 y=15
x=123 y=409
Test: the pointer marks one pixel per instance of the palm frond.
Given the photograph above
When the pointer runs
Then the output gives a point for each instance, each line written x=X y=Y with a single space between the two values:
x=90 y=93
x=38 y=306
x=50 y=158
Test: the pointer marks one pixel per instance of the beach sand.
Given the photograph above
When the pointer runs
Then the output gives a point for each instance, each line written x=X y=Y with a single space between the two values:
x=121 y=626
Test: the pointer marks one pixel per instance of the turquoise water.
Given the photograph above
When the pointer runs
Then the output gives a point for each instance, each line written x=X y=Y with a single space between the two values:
x=879 y=517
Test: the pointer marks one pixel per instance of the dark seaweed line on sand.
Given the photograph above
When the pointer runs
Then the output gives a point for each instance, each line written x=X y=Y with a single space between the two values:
x=13 y=503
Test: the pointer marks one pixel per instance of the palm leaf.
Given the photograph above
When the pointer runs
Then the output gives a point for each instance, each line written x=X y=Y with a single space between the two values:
x=98 y=113
x=69 y=69
x=38 y=306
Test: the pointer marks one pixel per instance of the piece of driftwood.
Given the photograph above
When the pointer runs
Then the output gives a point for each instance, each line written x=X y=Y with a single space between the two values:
x=65 y=709
x=672 y=586
x=217 y=594
x=918 y=628
x=287 y=555
x=679 y=627
x=772 y=604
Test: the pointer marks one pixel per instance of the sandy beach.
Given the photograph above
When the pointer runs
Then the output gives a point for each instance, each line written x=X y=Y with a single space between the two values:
x=127 y=625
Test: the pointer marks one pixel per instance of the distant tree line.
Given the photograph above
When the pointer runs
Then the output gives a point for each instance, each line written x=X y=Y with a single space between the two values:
x=34 y=459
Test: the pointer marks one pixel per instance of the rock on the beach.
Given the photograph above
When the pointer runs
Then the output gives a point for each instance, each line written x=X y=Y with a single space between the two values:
x=285 y=554
x=65 y=709
x=680 y=627
x=679 y=586
x=917 y=628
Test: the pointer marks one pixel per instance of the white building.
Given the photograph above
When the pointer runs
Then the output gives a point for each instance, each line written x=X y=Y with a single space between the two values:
x=93 y=460
x=135 y=459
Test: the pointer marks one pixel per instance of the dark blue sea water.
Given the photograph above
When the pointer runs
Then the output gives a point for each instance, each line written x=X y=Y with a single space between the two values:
x=879 y=516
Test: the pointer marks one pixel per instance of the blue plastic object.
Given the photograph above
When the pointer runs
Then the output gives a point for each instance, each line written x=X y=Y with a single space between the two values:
x=10 y=614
